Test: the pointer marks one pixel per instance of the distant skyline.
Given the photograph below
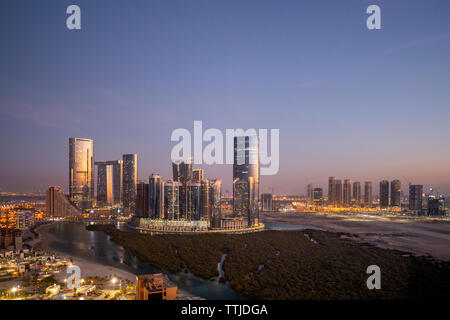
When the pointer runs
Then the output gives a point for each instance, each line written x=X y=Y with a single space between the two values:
x=349 y=102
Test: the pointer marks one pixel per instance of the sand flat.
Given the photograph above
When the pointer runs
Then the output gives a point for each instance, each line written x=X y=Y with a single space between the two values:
x=421 y=236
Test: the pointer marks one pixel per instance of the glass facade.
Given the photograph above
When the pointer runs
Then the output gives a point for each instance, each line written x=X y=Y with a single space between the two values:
x=109 y=182
x=156 y=197
x=129 y=182
x=384 y=194
x=246 y=178
x=81 y=172
x=172 y=191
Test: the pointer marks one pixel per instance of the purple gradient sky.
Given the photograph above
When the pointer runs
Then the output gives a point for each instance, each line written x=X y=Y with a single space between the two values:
x=349 y=102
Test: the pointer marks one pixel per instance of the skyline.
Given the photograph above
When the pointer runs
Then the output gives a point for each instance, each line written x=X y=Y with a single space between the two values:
x=349 y=102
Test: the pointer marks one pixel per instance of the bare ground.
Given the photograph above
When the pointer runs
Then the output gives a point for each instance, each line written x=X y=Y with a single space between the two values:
x=420 y=236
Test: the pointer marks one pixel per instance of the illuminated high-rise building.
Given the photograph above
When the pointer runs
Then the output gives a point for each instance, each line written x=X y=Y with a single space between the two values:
x=172 y=193
x=244 y=204
x=384 y=194
x=347 y=193
x=332 y=191
x=198 y=175
x=215 y=199
x=205 y=207
x=246 y=178
x=415 y=197
x=395 y=193
x=109 y=182
x=368 y=200
x=81 y=172
x=129 y=183
x=266 y=200
x=339 y=193
x=182 y=170
x=318 y=196
x=156 y=196
x=191 y=200
x=357 y=193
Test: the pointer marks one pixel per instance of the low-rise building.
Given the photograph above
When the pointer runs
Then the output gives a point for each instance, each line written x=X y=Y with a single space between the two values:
x=155 y=287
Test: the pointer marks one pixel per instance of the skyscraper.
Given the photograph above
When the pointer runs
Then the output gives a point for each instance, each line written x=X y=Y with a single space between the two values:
x=266 y=199
x=109 y=182
x=192 y=200
x=415 y=197
x=156 y=197
x=384 y=194
x=368 y=200
x=395 y=193
x=338 y=193
x=332 y=191
x=215 y=199
x=182 y=170
x=198 y=175
x=182 y=173
x=129 y=182
x=205 y=208
x=81 y=172
x=172 y=192
x=357 y=193
x=246 y=178
x=318 y=196
x=142 y=202
x=347 y=193
x=309 y=192
x=436 y=206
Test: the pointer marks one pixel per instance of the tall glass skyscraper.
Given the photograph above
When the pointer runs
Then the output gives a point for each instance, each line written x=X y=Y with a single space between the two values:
x=81 y=172
x=246 y=178
x=415 y=197
x=332 y=191
x=129 y=182
x=182 y=170
x=368 y=194
x=395 y=193
x=142 y=201
x=109 y=182
x=347 y=193
x=191 y=201
x=156 y=196
x=357 y=193
x=215 y=199
x=384 y=194
x=172 y=192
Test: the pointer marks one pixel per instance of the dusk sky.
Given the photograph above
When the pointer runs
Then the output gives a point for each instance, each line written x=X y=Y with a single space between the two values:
x=349 y=102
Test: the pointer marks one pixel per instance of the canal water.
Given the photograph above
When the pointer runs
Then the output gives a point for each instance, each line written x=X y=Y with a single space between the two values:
x=74 y=240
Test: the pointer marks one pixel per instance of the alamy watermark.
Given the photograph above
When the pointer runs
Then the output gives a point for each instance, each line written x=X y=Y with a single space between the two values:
x=214 y=152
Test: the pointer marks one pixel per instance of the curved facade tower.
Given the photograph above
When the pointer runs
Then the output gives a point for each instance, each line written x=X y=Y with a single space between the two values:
x=81 y=172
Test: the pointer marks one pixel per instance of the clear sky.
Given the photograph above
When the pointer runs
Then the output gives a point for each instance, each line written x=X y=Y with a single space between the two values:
x=349 y=102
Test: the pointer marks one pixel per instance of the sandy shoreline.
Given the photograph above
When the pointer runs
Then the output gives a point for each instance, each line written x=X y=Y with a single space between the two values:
x=87 y=268
x=420 y=236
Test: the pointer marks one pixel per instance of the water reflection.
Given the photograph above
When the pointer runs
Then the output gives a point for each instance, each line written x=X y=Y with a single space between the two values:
x=74 y=240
